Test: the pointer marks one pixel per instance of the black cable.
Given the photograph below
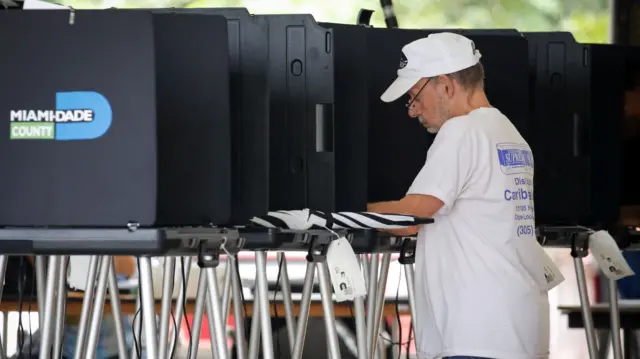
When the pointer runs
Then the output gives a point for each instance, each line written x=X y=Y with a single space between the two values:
x=21 y=283
x=410 y=339
x=399 y=343
x=135 y=338
x=398 y=315
x=247 y=330
x=275 y=306
x=138 y=312
x=184 y=305
x=175 y=332
x=138 y=345
x=65 y=273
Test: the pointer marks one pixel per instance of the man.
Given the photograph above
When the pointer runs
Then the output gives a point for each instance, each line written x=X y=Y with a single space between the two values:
x=480 y=285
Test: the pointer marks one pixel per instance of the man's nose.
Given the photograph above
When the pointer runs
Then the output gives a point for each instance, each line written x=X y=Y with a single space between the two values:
x=412 y=111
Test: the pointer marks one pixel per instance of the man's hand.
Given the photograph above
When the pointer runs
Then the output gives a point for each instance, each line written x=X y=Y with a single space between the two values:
x=417 y=205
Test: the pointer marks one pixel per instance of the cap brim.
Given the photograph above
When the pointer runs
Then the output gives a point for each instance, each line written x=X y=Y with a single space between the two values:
x=398 y=88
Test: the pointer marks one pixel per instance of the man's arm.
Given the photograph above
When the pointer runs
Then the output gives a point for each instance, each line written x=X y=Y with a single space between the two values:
x=417 y=205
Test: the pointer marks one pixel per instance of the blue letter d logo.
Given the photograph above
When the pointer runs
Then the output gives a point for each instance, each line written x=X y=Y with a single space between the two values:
x=83 y=100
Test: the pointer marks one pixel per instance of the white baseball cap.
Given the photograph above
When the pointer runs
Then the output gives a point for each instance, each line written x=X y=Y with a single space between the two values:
x=438 y=54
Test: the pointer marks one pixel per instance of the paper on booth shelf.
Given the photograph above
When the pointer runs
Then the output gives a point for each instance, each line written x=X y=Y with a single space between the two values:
x=344 y=269
x=607 y=254
x=78 y=272
x=552 y=273
x=42 y=5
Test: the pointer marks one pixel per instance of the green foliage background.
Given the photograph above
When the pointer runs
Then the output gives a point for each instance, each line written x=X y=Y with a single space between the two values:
x=588 y=20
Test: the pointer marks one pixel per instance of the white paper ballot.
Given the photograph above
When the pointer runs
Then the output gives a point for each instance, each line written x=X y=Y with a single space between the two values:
x=78 y=272
x=552 y=273
x=42 y=5
x=344 y=269
x=607 y=254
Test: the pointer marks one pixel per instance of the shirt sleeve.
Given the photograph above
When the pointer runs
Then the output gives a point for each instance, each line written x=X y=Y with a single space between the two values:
x=446 y=171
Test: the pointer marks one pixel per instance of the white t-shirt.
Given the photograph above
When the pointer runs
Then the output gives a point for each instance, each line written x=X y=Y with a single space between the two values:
x=480 y=286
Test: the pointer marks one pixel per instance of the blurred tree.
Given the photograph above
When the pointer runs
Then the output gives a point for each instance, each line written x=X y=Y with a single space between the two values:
x=588 y=20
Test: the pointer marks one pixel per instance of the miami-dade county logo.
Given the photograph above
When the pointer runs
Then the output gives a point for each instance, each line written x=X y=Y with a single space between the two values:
x=78 y=115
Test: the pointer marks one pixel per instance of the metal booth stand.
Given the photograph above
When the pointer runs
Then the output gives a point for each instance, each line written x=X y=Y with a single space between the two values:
x=206 y=243
x=316 y=243
x=376 y=258
x=577 y=238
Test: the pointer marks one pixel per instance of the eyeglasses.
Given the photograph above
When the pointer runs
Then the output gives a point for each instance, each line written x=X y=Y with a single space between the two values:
x=411 y=101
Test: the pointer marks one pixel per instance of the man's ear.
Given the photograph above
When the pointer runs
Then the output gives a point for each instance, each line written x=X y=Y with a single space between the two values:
x=446 y=86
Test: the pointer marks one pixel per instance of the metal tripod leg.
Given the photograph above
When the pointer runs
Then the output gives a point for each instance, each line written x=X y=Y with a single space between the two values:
x=265 y=312
x=226 y=299
x=61 y=301
x=371 y=302
x=3 y=271
x=41 y=280
x=98 y=308
x=287 y=301
x=183 y=279
x=149 y=308
x=365 y=265
x=327 y=309
x=411 y=290
x=87 y=304
x=379 y=301
x=116 y=311
x=5 y=317
x=165 y=311
x=226 y=291
x=198 y=313
x=586 y=308
x=614 y=315
x=210 y=324
x=214 y=302
x=396 y=349
x=137 y=329
x=303 y=317
x=361 y=324
x=5 y=332
x=254 y=337
x=241 y=348
x=46 y=339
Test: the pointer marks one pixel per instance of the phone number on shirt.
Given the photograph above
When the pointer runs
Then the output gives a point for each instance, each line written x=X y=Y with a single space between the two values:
x=526 y=230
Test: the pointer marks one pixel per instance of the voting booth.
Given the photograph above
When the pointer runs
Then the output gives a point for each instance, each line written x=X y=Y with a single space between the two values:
x=290 y=144
x=113 y=128
x=578 y=166
x=367 y=60
x=248 y=88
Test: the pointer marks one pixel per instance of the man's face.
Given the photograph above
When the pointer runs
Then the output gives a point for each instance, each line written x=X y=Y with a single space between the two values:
x=428 y=105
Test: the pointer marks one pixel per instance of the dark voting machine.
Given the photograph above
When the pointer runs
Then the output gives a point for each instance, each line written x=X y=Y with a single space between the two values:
x=367 y=60
x=251 y=132
x=577 y=111
x=110 y=128
x=289 y=152
x=551 y=87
